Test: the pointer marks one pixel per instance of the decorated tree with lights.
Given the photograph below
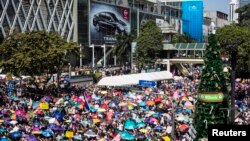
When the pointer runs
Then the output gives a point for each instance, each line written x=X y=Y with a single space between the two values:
x=211 y=92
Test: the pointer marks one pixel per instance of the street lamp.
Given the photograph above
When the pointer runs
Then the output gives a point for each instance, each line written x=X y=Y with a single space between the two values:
x=104 y=53
x=80 y=55
x=93 y=55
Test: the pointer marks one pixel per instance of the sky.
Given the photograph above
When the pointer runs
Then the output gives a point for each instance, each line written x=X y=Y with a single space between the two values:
x=216 y=5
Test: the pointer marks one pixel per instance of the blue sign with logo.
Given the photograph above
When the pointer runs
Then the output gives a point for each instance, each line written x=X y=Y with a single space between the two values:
x=145 y=83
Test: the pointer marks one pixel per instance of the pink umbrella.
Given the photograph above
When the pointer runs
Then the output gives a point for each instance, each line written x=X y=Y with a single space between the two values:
x=19 y=112
x=36 y=128
x=38 y=111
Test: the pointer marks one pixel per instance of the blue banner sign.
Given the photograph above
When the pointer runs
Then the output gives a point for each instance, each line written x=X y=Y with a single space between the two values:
x=145 y=83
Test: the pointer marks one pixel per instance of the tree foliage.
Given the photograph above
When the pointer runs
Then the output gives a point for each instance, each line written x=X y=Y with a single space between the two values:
x=212 y=80
x=183 y=38
x=122 y=48
x=34 y=53
x=244 y=16
x=236 y=38
x=149 y=43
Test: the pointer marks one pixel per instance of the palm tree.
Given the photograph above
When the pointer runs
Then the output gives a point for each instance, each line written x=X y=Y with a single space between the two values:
x=122 y=47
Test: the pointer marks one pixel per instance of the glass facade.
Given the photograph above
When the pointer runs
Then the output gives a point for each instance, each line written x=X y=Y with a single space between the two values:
x=192 y=19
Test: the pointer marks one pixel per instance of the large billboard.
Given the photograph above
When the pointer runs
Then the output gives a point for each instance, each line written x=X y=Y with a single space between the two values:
x=159 y=19
x=106 y=21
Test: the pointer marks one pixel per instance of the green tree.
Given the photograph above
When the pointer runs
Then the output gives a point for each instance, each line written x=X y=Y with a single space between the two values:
x=235 y=43
x=122 y=48
x=212 y=80
x=183 y=38
x=34 y=53
x=149 y=43
x=234 y=40
x=244 y=16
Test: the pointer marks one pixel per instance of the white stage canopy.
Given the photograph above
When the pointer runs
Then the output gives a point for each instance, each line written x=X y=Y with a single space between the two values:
x=133 y=79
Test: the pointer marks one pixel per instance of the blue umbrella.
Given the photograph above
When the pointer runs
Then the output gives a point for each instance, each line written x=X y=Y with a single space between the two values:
x=129 y=124
x=36 y=123
x=2 y=130
x=126 y=135
x=32 y=138
x=157 y=115
x=112 y=104
x=4 y=139
x=47 y=133
x=78 y=137
x=158 y=128
x=48 y=99
x=16 y=134
x=53 y=126
x=35 y=104
x=142 y=103
x=140 y=125
x=67 y=98
x=58 y=116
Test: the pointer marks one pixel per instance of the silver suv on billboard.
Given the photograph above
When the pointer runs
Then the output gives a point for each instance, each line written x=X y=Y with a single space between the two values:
x=109 y=21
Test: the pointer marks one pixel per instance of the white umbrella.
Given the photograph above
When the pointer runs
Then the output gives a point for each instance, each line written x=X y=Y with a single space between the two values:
x=13 y=122
x=52 y=120
x=15 y=129
x=90 y=133
x=188 y=103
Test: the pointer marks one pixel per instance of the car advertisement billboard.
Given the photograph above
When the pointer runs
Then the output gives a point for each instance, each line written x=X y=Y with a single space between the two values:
x=106 y=21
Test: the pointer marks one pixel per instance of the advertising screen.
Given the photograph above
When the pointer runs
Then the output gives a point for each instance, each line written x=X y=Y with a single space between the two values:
x=106 y=21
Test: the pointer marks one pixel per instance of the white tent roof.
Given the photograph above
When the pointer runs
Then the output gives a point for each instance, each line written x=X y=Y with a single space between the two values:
x=133 y=79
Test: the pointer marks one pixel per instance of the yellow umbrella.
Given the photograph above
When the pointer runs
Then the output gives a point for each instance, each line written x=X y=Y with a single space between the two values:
x=166 y=138
x=184 y=98
x=1 y=121
x=143 y=130
x=36 y=132
x=102 y=139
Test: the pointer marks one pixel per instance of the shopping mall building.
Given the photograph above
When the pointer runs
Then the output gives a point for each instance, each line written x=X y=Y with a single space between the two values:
x=95 y=23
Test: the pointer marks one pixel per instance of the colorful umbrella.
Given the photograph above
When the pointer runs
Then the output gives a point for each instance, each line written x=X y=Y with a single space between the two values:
x=142 y=103
x=96 y=120
x=126 y=135
x=158 y=128
x=183 y=127
x=158 y=100
x=140 y=125
x=166 y=138
x=58 y=116
x=143 y=130
x=90 y=133
x=38 y=111
x=4 y=139
x=47 y=133
x=19 y=112
x=2 y=130
x=130 y=124
x=104 y=92
x=32 y=138
x=16 y=134
x=150 y=103
x=36 y=132
x=101 y=110
x=78 y=137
